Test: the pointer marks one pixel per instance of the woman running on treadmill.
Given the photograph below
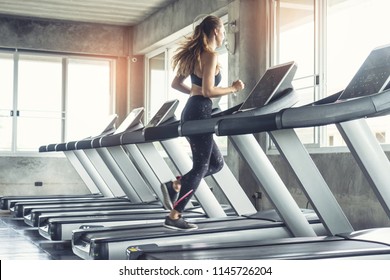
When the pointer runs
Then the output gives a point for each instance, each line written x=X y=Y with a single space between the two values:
x=198 y=59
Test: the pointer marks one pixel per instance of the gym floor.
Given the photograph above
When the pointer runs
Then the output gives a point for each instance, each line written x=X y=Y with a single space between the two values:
x=21 y=242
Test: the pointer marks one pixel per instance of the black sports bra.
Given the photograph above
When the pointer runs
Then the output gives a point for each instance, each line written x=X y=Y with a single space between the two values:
x=198 y=81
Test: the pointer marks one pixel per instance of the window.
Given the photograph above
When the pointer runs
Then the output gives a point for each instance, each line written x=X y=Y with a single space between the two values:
x=355 y=27
x=6 y=100
x=157 y=84
x=294 y=25
x=88 y=97
x=51 y=99
x=38 y=101
x=329 y=40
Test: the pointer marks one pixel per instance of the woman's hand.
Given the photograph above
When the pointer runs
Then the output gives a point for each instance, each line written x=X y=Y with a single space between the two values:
x=237 y=86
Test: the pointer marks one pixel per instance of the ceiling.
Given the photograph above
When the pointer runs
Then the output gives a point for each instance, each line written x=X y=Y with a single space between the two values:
x=115 y=12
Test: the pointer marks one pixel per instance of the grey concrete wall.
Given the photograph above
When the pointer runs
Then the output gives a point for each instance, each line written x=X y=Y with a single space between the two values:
x=65 y=37
x=347 y=183
x=18 y=175
x=163 y=26
x=248 y=63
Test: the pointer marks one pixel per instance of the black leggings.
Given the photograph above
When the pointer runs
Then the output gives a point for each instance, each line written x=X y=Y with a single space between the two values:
x=206 y=157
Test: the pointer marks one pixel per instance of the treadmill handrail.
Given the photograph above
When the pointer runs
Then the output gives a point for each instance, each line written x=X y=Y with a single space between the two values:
x=308 y=116
x=194 y=127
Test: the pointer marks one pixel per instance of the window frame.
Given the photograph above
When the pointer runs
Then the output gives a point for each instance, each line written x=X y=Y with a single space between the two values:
x=318 y=75
x=320 y=14
x=16 y=53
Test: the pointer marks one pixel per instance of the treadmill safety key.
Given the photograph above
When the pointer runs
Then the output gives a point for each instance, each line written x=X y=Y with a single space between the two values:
x=134 y=253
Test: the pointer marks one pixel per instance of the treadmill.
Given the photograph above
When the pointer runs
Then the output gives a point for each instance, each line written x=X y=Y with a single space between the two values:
x=8 y=202
x=140 y=196
x=370 y=244
x=18 y=205
x=56 y=228
x=111 y=243
x=37 y=216
x=59 y=226
x=368 y=95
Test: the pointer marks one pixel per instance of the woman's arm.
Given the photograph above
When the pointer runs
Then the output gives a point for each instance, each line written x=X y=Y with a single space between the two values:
x=178 y=84
x=209 y=64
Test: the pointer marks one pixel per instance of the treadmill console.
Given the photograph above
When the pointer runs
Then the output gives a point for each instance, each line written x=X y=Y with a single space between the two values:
x=108 y=128
x=275 y=81
x=132 y=121
x=372 y=77
x=166 y=112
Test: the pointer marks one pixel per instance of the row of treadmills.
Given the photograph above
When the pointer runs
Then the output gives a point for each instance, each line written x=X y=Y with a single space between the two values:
x=123 y=168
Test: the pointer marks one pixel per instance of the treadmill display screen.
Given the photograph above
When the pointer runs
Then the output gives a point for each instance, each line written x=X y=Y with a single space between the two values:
x=109 y=127
x=131 y=120
x=372 y=77
x=164 y=113
x=267 y=86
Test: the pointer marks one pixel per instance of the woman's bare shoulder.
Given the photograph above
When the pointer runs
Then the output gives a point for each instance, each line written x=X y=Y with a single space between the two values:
x=209 y=55
x=209 y=58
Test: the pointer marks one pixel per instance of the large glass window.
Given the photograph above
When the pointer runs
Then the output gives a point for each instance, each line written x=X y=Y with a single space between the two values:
x=355 y=27
x=6 y=101
x=329 y=40
x=157 y=84
x=295 y=41
x=50 y=99
x=38 y=101
x=88 y=98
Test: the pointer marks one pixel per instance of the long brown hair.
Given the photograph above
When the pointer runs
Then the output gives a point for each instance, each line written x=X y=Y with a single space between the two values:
x=190 y=50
